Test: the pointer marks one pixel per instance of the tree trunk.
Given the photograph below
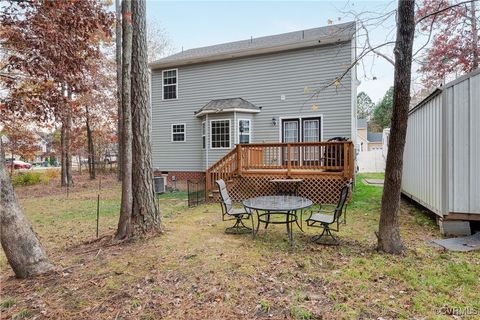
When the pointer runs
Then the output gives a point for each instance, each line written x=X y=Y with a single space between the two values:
x=475 y=40
x=389 y=239
x=68 y=140
x=19 y=242
x=90 y=148
x=63 y=170
x=124 y=228
x=118 y=42
x=145 y=216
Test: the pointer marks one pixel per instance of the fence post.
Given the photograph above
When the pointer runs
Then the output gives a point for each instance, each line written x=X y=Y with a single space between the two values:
x=239 y=159
x=345 y=161
x=207 y=184
x=289 y=160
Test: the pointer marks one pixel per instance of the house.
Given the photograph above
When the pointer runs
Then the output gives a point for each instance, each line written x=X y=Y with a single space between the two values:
x=362 y=141
x=441 y=159
x=367 y=141
x=375 y=140
x=281 y=89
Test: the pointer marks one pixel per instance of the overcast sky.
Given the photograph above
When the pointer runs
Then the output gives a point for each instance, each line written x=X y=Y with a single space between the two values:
x=192 y=24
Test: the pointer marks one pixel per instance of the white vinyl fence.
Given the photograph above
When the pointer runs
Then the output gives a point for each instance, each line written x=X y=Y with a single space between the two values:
x=371 y=161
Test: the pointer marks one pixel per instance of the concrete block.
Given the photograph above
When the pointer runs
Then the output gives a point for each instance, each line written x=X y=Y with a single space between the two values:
x=455 y=228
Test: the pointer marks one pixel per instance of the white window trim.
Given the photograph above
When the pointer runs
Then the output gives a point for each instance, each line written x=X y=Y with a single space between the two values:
x=204 y=134
x=280 y=125
x=163 y=84
x=184 y=132
x=229 y=134
x=249 y=133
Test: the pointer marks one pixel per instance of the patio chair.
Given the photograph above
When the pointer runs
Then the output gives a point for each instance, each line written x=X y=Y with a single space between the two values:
x=326 y=218
x=231 y=213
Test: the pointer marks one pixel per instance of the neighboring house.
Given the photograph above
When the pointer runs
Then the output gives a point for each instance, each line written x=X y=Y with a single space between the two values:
x=441 y=168
x=375 y=140
x=207 y=100
x=43 y=148
x=362 y=141
x=367 y=141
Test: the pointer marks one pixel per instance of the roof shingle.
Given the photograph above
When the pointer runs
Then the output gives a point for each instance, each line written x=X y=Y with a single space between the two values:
x=319 y=36
x=221 y=105
x=374 y=136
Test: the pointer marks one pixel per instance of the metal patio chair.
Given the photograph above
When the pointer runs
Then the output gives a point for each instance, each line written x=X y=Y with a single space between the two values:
x=326 y=218
x=231 y=213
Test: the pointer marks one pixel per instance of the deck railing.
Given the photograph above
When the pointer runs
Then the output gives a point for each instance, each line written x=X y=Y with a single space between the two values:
x=300 y=158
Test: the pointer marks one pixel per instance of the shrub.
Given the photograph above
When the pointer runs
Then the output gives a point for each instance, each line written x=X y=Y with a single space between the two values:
x=32 y=178
x=50 y=174
x=26 y=179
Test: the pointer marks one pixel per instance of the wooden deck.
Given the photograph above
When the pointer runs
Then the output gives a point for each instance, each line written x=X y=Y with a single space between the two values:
x=248 y=169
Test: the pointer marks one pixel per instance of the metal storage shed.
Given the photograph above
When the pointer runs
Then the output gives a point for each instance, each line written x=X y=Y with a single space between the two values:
x=442 y=154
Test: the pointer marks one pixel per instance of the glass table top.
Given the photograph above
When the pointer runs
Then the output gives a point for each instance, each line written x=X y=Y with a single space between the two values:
x=277 y=203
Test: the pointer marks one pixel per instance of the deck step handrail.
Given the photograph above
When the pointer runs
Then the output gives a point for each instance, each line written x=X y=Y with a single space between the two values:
x=223 y=169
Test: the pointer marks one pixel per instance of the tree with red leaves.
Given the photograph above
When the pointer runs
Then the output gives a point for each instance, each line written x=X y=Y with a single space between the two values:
x=455 y=49
x=49 y=45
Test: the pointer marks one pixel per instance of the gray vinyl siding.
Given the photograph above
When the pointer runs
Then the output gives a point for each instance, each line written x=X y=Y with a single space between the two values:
x=261 y=80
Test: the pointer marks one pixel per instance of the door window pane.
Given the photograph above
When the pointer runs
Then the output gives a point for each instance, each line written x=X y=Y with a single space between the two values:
x=311 y=131
x=290 y=131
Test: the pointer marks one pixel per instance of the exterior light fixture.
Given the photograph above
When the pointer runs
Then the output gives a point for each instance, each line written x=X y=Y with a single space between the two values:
x=274 y=121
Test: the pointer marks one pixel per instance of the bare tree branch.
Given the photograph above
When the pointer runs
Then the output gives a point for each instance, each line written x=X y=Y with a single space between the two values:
x=384 y=56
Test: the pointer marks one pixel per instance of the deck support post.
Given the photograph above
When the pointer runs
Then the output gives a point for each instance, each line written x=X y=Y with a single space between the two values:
x=289 y=160
x=239 y=159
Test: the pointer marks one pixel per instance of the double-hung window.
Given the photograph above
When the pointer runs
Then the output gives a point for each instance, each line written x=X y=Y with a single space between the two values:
x=178 y=132
x=244 y=130
x=170 y=84
x=220 y=134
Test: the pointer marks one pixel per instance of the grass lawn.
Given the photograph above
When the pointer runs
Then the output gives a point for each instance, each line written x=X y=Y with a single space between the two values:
x=196 y=271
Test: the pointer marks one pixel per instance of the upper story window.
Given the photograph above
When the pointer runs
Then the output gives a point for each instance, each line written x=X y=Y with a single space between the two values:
x=220 y=134
x=244 y=130
x=178 y=132
x=170 y=84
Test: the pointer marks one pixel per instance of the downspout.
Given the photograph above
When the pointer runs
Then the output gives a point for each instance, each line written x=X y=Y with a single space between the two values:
x=234 y=128
x=207 y=142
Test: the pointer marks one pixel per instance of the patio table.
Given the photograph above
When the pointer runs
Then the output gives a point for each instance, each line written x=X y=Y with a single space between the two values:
x=286 y=206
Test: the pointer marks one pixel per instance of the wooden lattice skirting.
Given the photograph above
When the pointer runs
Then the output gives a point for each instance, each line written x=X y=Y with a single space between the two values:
x=323 y=189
